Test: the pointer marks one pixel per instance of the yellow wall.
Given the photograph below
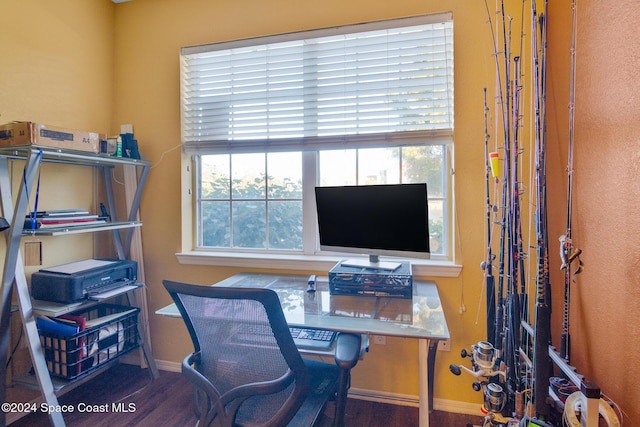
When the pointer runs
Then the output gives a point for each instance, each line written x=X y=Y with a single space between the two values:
x=94 y=65
x=57 y=69
x=57 y=63
x=149 y=36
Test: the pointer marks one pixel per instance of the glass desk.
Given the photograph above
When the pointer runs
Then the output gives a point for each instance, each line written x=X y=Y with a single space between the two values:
x=421 y=317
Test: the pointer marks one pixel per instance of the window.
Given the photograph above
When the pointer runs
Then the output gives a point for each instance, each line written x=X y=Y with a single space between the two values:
x=251 y=201
x=268 y=119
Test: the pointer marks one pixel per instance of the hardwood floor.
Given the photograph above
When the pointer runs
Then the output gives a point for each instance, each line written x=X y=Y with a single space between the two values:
x=167 y=401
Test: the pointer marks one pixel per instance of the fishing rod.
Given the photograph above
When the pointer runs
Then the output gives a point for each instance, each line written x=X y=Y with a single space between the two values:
x=542 y=367
x=486 y=364
x=496 y=363
x=485 y=361
x=508 y=307
x=498 y=318
x=516 y=271
x=487 y=265
x=513 y=247
x=543 y=127
x=568 y=253
x=505 y=232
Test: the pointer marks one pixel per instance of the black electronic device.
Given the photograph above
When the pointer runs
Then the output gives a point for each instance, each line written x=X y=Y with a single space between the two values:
x=74 y=282
x=312 y=338
x=311 y=283
x=348 y=280
x=375 y=220
x=532 y=422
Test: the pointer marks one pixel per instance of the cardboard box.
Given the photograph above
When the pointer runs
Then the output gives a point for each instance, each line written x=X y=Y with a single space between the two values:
x=30 y=133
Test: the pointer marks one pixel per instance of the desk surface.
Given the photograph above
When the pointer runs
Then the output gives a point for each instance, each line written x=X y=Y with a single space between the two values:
x=419 y=317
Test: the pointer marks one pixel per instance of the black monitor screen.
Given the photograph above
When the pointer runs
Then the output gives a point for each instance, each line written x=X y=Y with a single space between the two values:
x=374 y=219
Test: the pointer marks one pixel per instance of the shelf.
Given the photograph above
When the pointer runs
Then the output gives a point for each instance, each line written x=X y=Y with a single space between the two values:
x=59 y=384
x=56 y=155
x=55 y=309
x=14 y=276
x=76 y=229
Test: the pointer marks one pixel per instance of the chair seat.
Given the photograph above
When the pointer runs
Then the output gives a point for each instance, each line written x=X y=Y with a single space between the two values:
x=323 y=386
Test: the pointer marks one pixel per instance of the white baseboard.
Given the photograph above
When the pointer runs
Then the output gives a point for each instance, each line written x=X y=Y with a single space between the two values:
x=457 y=407
x=454 y=406
x=164 y=365
x=445 y=405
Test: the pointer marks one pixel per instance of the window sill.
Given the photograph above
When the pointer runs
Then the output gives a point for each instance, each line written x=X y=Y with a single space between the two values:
x=421 y=268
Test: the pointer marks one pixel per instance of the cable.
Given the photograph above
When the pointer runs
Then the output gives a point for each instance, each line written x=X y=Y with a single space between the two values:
x=576 y=401
x=458 y=245
x=163 y=154
x=562 y=387
x=616 y=407
x=15 y=348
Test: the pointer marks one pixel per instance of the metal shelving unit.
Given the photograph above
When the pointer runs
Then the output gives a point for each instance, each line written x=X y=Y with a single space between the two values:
x=13 y=276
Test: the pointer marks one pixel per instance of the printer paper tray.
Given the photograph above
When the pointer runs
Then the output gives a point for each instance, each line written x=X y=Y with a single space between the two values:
x=48 y=308
x=113 y=292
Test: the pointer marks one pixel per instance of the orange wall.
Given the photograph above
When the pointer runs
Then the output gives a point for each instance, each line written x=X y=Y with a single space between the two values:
x=606 y=190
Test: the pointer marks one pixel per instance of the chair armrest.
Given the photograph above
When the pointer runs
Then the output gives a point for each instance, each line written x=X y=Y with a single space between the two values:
x=196 y=378
x=347 y=350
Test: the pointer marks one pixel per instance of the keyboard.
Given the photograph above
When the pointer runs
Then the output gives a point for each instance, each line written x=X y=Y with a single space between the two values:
x=312 y=338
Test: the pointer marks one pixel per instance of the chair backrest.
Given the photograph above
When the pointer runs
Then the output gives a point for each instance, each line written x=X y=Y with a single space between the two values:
x=244 y=350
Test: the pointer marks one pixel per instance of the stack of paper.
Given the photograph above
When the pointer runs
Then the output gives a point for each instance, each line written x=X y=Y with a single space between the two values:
x=61 y=218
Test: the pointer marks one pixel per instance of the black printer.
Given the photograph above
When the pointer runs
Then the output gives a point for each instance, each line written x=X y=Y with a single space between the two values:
x=76 y=281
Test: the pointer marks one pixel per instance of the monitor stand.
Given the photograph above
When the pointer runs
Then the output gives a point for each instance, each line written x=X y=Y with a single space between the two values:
x=373 y=263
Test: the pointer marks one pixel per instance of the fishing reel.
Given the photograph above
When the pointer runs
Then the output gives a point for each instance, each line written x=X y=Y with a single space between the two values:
x=494 y=397
x=494 y=402
x=485 y=362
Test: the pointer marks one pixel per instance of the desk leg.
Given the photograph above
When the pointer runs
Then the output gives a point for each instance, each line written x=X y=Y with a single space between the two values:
x=427 y=350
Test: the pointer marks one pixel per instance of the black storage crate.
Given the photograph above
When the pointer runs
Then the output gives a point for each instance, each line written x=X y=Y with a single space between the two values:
x=72 y=357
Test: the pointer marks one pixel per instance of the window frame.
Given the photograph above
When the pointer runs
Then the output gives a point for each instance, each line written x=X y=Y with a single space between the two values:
x=310 y=258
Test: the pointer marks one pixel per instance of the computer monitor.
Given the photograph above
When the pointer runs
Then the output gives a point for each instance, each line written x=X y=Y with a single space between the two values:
x=390 y=219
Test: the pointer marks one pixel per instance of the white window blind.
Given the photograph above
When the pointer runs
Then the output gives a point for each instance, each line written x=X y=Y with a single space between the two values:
x=382 y=83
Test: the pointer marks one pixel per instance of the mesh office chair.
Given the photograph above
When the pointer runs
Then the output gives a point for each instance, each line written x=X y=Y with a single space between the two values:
x=246 y=369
